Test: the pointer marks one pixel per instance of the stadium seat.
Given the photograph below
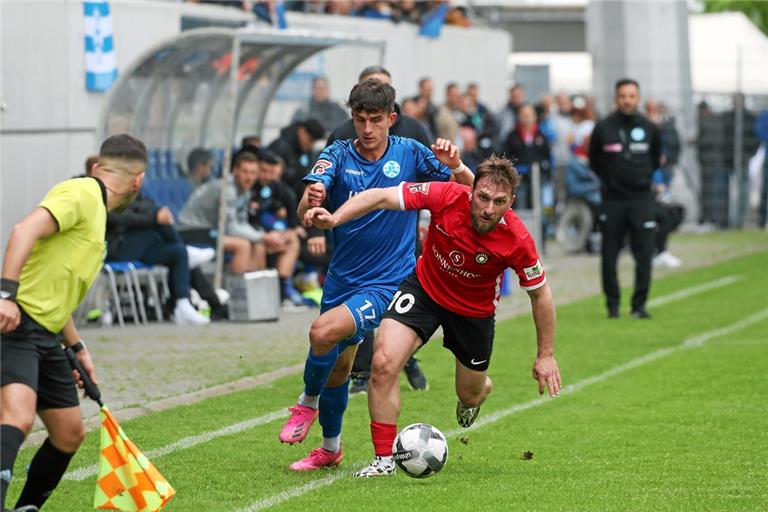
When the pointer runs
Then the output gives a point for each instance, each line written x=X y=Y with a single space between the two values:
x=131 y=290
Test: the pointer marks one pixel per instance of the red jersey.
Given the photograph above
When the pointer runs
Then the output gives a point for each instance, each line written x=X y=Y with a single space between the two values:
x=460 y=268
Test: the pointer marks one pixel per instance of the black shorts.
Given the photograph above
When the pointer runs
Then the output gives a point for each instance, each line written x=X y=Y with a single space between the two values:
x=32 y=355
x=470 y=339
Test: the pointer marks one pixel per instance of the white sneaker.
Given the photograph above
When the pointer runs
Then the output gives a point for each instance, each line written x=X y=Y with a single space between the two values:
x=381 y=466
x=199 y=255
x=186 y=314
x=666 y=259
x=289 y=307
x=223 y=296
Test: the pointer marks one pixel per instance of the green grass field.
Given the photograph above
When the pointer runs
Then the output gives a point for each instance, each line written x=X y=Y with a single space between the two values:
x=668 y=414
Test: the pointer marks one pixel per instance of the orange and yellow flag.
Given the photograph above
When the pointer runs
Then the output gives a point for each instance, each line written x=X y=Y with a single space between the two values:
x=127 y=479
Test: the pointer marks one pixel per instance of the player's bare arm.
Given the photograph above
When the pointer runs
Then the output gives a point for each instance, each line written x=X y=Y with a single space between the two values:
x=314 y=195
x=37 y=225
x=72 y=337
x=357 y=206
x=545 y=369
x=448 y=153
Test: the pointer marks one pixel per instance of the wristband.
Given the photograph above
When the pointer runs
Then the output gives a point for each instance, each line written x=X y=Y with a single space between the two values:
x=8 y=289
x=78 y=347
x=460 y=169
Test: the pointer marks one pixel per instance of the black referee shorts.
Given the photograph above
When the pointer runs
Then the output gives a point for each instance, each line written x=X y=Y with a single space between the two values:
x=469 y=339
x=32 y=355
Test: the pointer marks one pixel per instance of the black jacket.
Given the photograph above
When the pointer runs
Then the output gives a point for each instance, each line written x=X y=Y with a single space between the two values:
x=140 y=214
x=405 y=126
x=624 y=151
x=297 y=163
x=526 y=155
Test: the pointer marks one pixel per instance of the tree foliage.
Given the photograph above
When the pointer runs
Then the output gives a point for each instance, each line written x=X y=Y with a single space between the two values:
x=756 y=10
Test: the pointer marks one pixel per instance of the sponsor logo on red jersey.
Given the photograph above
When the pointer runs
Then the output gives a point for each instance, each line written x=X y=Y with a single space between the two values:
x=419 y=188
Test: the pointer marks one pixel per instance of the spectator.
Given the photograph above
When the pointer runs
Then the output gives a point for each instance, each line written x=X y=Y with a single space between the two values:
x=329 y=113
x=507 y=117
x=761 y=132
x=481 y=119
x=528 y=145
x=471 y=155
x=424 y=99
x=145 y=233
x=199 y=220
x=450 y=116
x=199 y=166
x=294 y=146
x=272 y=209
x=251 y=143
x=415 y=108
x=583 y=118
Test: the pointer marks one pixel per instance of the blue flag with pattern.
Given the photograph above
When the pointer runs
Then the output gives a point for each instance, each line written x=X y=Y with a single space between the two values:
x=100 y=59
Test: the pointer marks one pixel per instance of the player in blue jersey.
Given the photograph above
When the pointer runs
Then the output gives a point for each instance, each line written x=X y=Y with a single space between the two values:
x=372 y=255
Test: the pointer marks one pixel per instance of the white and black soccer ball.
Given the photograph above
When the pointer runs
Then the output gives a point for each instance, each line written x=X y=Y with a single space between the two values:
x=420 y=450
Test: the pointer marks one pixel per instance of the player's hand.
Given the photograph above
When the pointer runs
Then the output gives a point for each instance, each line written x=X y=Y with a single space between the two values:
x=84 y=358
x=447 y=152
x=546 y=372
x=164 y=216
x=316 y=194
x=316 y=245
x=10 y=316
x=320 y=218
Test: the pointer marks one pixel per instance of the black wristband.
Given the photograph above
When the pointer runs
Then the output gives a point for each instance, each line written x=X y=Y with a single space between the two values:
x=8 y=289
x=78 y=347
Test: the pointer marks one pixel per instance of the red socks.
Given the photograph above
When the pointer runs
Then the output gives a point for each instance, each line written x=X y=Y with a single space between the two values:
x=383 y=435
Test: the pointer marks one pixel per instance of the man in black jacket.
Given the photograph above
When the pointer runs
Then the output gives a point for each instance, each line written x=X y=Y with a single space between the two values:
x=624 y=151
x=294 y=146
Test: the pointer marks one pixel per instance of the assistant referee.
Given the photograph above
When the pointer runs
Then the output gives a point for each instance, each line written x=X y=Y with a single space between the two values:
x=53 y=256
x=624 y=151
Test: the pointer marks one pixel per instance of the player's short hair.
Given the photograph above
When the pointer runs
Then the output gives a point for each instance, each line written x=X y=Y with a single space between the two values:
x=198 y=156
x=626 y=81
x=373 y=70
x=243 y=156
x=499 y=170
x=372 y=96
x=124 y=147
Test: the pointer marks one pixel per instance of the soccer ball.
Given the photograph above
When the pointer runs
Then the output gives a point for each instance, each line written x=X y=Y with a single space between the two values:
x=420 y=450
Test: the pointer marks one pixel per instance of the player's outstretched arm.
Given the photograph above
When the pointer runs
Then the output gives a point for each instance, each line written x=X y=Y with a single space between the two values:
x=545 y=369
x=37 y=225
x=357 y=206
x=448 y=153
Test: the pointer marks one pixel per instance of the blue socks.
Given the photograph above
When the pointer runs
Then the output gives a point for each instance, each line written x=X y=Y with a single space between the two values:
x=333 y=403
x=317 y=369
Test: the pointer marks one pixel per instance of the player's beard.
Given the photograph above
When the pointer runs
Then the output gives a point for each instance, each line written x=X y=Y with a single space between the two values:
x=490 y=224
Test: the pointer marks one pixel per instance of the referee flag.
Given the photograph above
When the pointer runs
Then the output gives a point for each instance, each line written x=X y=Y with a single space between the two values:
x=127 y=481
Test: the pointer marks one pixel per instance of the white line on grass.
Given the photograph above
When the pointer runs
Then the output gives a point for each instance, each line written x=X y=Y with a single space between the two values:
x=694 y=290
x=188 y=442
x=695 y=341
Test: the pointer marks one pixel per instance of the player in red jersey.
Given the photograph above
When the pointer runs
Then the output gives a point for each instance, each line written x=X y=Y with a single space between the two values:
x=473 y=236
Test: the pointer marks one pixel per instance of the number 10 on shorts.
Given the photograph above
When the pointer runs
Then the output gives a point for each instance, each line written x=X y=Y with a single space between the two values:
x=403 y=302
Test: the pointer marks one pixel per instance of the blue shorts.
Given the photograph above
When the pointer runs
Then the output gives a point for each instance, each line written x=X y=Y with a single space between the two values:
x=366 y=305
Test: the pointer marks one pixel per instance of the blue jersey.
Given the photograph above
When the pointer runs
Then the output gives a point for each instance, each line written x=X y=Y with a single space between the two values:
x=378 y=248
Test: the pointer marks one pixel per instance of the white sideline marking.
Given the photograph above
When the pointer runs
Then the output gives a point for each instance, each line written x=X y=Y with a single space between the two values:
x=694 y=290
x=695 y=341
x=187 y=442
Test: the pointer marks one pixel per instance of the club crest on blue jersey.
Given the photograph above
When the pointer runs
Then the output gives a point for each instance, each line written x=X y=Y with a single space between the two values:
x=391 y=169
x=637 y=133
x=321 y=166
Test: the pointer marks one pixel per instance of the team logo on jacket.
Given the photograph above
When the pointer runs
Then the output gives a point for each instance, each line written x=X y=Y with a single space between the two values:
x=321 y=166
x=637 y=133
x=419 y=188
x=535 y=271
x=481 y=258
x=391 y=169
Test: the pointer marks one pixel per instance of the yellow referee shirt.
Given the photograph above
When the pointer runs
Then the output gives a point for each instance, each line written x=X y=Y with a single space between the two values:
x=62 y=267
